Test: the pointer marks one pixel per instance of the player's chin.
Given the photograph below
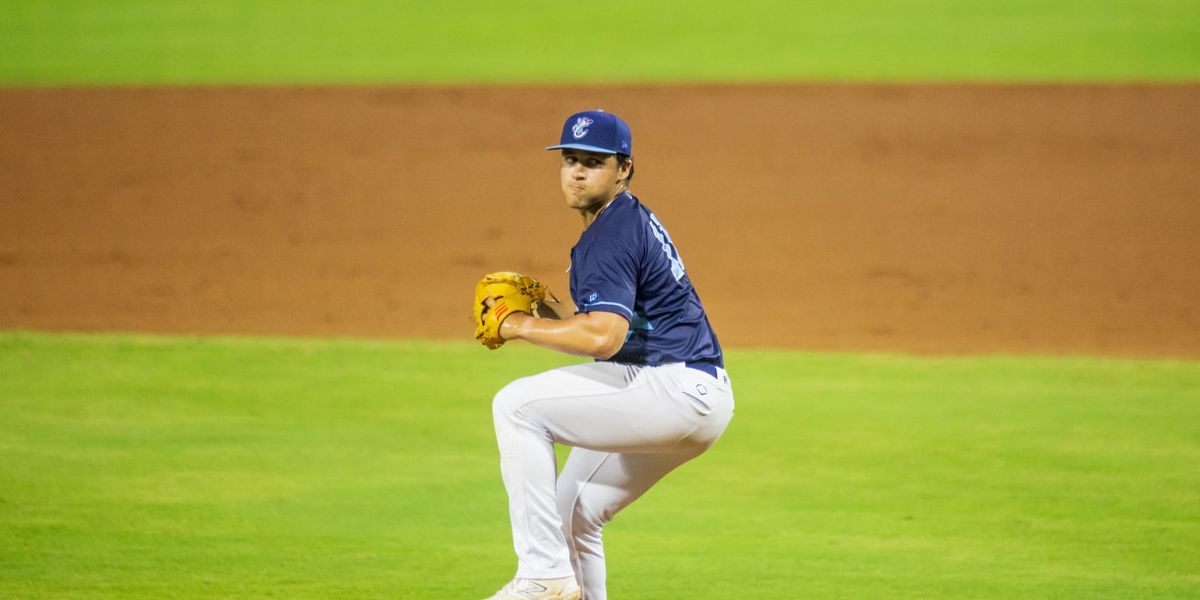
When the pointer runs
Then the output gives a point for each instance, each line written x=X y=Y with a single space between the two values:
x=577 y=199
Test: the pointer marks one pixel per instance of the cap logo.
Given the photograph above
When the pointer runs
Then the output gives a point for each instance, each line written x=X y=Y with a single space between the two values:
x=580 y=128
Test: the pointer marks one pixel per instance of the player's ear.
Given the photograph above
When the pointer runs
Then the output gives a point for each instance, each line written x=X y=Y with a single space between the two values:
x=624 y=167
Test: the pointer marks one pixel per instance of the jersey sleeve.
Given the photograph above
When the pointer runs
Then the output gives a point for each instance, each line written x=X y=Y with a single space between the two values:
x=607 y=278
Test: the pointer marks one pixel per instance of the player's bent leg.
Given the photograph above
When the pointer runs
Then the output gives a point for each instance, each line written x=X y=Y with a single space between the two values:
x=605 y=407
x=527 y=462
x=527 y=466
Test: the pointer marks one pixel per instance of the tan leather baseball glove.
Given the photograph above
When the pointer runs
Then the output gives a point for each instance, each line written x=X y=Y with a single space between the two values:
x=497 y=296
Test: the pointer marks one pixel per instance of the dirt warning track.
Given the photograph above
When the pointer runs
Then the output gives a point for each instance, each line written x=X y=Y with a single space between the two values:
x=939 y=219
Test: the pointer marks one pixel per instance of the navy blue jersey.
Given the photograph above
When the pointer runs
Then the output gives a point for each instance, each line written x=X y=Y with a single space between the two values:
x=625 y=263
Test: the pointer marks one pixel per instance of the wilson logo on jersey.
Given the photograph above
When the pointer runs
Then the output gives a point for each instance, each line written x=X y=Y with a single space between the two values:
x=580 y=128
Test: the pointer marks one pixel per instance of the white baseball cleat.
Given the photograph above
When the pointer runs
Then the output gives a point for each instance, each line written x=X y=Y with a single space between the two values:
x=539 y=589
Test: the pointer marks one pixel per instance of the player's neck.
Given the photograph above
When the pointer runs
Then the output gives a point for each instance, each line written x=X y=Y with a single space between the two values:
x=591 y=213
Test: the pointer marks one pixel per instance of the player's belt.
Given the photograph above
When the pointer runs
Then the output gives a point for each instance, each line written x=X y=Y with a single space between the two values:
x=705 y=367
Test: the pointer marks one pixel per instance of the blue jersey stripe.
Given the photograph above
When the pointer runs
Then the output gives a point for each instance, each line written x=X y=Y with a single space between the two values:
x=618 y=305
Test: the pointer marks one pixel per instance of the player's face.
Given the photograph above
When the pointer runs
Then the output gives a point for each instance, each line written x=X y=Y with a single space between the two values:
x=590 y=179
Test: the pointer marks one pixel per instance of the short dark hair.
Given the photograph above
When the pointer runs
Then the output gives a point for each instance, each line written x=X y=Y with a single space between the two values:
x=622 y=159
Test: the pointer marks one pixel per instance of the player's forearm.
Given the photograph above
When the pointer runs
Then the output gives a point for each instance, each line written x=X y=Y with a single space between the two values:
x=580 y=334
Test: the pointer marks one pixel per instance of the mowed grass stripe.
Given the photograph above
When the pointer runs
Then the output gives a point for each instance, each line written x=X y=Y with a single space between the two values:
x=192 y=467
x=73 y=42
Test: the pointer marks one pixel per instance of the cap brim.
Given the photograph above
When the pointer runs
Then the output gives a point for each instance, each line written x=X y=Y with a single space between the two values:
x=582 y=147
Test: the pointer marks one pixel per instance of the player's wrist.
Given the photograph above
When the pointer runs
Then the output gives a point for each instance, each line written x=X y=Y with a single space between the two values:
x=512 y=326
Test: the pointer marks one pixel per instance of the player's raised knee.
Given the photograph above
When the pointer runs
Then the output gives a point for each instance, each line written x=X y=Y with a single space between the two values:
x=508 y=400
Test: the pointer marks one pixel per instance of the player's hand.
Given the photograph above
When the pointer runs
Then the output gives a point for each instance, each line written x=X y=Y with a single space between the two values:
x=510 y=327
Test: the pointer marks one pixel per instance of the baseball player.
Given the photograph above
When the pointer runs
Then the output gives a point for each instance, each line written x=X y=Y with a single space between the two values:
x=655 y=397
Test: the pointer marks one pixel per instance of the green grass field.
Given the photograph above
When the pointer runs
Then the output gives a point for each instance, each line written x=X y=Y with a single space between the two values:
x=154 y=467
x=186 y=467
x=384 y=41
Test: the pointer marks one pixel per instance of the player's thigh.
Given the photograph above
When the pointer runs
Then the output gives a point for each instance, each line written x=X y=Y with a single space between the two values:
x=613 y=407
x=517 y=404
x=587 y=404
x=589 y=379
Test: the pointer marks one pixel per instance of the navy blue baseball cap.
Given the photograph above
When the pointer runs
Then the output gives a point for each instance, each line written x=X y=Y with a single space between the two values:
x=596 y=131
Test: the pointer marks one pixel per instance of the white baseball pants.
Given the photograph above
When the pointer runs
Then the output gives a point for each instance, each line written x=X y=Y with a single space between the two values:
x=629 y=425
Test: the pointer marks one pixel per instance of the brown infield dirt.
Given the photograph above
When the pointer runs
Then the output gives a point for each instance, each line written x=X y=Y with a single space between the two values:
x=938 y=219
